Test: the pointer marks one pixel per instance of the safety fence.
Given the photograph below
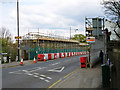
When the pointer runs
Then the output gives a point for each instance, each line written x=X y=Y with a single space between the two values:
x=50 y=56
x=35 y=51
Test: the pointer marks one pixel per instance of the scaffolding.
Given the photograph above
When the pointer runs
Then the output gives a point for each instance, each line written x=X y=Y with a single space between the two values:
x=35 y=43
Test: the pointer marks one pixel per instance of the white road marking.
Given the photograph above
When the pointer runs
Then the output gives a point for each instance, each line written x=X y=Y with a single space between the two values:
x=54 y=70
x=41 y=78
x=34 y=69
x=11 y=72
x=16 y=72
x=46 y=77
x=36 y=73
x=47 y=80
x=35 y=76
x=29 y=74
x=43 y=75
x=49 y=77
x=56 y=63
x=25 y=71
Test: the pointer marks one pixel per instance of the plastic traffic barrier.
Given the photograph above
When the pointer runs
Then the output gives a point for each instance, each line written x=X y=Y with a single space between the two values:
x=46 y=56
x=68 y=55
x=40 y=57
x=75 y=53
x=83 y=62
x=63 y=55
x=49 y=56
x=59 y=55
x=52 y=54
x=55 y=55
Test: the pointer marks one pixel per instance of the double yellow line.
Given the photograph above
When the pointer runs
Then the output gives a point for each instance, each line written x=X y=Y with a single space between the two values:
x=61 y=80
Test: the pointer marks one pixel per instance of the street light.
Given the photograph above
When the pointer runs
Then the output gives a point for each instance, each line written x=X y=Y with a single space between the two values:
x=70 y=31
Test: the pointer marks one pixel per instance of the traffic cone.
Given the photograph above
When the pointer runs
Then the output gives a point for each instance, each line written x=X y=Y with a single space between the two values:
x=44 y=58
x=21 y=63
x=34 y=60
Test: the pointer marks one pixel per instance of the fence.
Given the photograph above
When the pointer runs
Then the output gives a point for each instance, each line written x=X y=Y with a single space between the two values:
x=38 y=50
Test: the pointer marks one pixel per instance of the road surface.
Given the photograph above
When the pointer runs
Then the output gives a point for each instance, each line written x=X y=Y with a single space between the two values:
x=39 y=75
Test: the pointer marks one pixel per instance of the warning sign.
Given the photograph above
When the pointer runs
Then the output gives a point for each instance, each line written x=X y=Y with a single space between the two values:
x=18 y=37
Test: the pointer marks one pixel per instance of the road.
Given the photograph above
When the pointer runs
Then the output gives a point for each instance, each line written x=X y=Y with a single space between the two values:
x=39 y=75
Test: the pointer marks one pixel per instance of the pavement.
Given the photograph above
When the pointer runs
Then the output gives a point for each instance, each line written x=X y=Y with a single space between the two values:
x=17 y=63
x=82 y=78
x=59 y=73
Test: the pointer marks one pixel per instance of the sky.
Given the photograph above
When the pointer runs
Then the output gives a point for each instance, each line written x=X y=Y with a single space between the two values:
x=49 y=16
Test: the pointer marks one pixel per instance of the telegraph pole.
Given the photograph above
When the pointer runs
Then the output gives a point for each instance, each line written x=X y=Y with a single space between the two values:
x=18 y=26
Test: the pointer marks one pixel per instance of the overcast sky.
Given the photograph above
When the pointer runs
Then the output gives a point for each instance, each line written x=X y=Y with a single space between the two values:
x=50 y=16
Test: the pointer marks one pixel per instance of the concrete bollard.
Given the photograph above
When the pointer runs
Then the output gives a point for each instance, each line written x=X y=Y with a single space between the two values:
x=9 y=59
x=16 y=58
x=0 y=60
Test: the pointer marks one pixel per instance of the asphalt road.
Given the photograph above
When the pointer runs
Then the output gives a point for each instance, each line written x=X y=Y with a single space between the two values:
x=39 y=75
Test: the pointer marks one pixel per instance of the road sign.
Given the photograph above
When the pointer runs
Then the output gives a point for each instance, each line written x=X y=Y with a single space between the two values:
x=18 y=37
x=34 y=40
x=89 y=28
x=90 y=39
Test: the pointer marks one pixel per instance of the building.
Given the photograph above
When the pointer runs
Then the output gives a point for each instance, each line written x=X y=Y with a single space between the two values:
x=35 y=43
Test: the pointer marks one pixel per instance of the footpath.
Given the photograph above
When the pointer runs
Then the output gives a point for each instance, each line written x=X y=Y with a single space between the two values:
x=81 y=78
x=14 y=64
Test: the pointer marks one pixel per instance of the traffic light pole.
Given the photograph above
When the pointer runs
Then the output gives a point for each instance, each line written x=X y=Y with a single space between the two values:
x=18 y=27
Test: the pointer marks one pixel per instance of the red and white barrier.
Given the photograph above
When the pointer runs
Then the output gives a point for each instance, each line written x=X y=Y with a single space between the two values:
x=49 y=56
x=62 y=55
x=46 y=56
x=55 y=55
x=70 y=53
x=66 y=54
x=40 y=57
x=52 y=55
x=59 y=55
x=75 y=53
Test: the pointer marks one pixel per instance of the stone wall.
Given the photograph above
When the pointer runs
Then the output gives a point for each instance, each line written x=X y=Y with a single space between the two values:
x=95 y=50
x=114 y=56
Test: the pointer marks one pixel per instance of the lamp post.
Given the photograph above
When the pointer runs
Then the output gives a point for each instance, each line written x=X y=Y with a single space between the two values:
x=18 y=26
x=70 y=31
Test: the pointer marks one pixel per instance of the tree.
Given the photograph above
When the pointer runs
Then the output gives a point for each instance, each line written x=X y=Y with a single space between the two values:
x=79 y=37
x=7 y=44
x=5 y=33
x=112 y=10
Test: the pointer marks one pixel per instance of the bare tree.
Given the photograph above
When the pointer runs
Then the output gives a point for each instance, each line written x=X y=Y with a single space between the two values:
x=112 y=10
x=5 y=33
